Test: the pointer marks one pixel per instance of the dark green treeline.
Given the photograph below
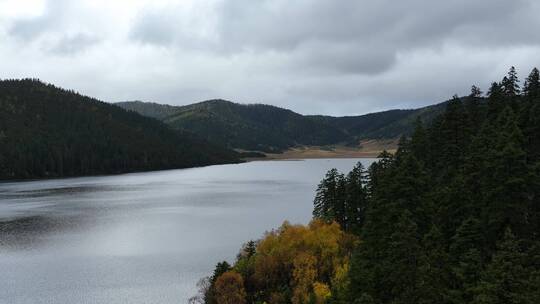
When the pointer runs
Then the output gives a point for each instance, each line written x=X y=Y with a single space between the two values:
x=46 y=131
x=454 y=215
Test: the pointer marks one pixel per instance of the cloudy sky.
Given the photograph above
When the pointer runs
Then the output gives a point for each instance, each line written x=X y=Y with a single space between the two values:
x=312 y=56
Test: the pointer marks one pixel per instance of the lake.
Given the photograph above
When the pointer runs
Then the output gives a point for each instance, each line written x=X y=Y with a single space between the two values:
x=143 y=237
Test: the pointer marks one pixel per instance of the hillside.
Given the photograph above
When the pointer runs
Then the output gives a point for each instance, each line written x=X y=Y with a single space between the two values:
x=249 y=127
x=383 y=125
x=46 y=131
x=272 y=129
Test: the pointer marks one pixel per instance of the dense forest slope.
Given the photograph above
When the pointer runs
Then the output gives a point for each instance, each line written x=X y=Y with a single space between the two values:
x=270 y=129
x=453 y=217
x=383 y=125
x=46 y=131
x=250 y=127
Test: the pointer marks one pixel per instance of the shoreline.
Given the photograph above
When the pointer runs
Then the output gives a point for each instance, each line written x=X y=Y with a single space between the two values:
x=299 y=156
x=372 y=150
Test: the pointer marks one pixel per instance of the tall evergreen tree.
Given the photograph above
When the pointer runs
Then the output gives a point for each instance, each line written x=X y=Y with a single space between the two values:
x=510 y=83
x=329 y=203
x=356 y=198
x=434 y=271
x=419 y=141
x=531 y=88
x=475 y=109
x=507 y=191
x=466 y=251
x=507 y=279
x=496 y=101
x=405 y=255
x=456 y=131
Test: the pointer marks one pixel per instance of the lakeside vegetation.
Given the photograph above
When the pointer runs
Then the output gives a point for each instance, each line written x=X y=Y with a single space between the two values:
x=46 y=131
x=452 y=217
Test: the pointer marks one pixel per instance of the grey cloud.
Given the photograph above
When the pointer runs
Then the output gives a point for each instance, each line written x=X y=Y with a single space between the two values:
x=32 y=28
x=54 y=30
x=284 y=24
x=342 y=58
x=313 y=56
x=72 y=44
x=377 y=31
x=171 y=26
x=154 y=28
x=346 y=36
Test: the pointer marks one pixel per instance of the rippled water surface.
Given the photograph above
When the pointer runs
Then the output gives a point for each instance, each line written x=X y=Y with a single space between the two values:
x=143 y=237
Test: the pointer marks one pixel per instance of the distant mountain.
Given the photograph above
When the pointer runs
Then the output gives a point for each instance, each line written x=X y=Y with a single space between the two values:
x=271 y=129
x=46 y=131
x=383 y=125
x=250 y=127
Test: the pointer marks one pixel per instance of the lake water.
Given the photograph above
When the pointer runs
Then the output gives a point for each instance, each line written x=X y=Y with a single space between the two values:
x=143 y=237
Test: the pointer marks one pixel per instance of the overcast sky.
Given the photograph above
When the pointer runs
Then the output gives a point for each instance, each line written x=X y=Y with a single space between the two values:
x=312 y=56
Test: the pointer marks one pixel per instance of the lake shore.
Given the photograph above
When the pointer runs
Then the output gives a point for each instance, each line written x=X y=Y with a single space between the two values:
x=366 y=149
x=319 y=153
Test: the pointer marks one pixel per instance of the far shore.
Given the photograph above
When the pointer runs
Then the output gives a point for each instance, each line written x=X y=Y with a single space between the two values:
x=366 y=149
x=311 y=153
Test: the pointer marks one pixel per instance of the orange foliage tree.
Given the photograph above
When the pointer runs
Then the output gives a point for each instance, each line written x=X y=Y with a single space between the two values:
x=229 y=289
x=302 y=264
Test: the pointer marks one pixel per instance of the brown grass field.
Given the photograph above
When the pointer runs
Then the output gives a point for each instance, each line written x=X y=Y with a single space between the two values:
x=366 y=149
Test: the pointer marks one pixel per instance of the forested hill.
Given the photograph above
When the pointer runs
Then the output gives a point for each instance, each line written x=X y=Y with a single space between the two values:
x=383 y=125
x=453 y=217
x=46 y=131
x=270 y=129
x=250 y=127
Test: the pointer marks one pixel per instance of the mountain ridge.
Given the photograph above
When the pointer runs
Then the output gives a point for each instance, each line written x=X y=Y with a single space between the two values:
x=256 y=126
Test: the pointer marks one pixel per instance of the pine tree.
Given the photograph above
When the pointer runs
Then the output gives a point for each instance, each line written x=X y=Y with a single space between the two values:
x=220 y=269
x=405 y=256
x=507 y=279
x=356 y=200
x=434 y=271
x=378 y=171
x=475 y=92
x=495 y=101
x=404 y=147
x=419 y=141
x=510 y=83
x=456 y=130
x=467 y=258
x=329 y=203
x=531 y=88
x=454 y=204
x=474 y=108
x=506 y=193
x=532 y=132
x=479 y=164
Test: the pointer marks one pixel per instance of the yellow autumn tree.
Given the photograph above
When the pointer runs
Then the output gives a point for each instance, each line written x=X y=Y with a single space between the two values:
x=295 y=257
x=304 y=274
x=229 y=289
